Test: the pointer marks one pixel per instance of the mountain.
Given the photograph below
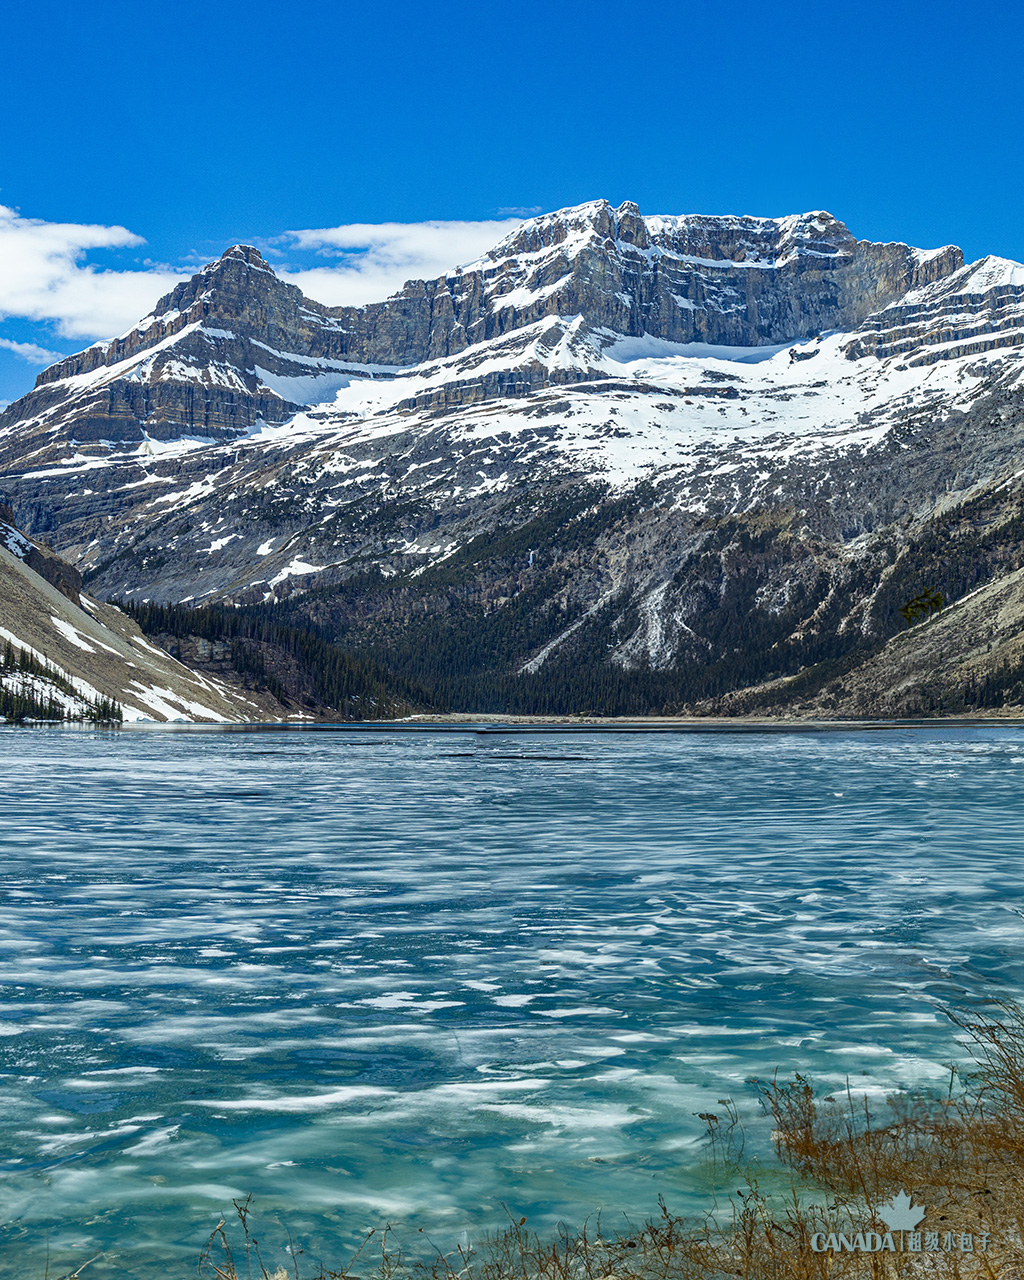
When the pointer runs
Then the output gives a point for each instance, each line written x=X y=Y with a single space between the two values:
x=620 y=462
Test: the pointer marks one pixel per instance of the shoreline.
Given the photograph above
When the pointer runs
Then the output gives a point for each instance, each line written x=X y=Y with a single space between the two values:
x=464 y=722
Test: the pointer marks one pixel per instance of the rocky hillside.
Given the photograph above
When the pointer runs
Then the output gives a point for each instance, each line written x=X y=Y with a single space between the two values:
x=620 y=462
x=68 y=656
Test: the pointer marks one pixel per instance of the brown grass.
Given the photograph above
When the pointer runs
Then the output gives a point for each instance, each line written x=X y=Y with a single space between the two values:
x=961 y=1156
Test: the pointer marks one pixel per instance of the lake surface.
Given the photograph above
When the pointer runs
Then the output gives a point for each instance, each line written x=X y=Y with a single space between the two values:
x=371 y=976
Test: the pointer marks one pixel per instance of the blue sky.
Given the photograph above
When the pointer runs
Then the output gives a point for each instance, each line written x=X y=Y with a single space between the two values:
x=192 y=126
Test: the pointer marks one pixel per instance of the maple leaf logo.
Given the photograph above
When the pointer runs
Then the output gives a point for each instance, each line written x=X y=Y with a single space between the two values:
x=900 y=1213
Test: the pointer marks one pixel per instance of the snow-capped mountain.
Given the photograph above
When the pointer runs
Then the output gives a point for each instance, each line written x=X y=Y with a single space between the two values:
x=710 y=435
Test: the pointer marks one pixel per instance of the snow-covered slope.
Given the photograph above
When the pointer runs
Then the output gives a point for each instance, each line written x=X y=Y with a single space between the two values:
x=87 y=652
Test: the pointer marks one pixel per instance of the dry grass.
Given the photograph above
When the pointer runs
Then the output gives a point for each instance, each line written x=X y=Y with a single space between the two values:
x=962 y=1156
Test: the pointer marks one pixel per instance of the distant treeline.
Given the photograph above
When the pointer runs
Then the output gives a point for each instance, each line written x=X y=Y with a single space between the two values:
x=466 y=655
x=22 y=698
x=292 y=662
x=467 y=661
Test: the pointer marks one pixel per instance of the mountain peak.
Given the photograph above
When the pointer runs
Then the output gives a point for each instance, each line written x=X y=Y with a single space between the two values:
x=599 y=225
x=246 y=253
x=596 y=219
x=240 y=278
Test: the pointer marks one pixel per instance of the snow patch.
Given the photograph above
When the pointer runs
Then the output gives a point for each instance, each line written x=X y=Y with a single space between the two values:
x=623 y=350
x=72 y=634
x=218 y=544
x=296 y=568
x=306 y=389
x=16 y=543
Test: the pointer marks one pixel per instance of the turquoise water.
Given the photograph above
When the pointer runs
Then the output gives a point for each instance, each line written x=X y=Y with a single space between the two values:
x=371 y=976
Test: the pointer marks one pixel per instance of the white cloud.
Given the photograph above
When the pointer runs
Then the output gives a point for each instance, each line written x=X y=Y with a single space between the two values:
x=43 y=276
x=378 y=258
x=29 y=352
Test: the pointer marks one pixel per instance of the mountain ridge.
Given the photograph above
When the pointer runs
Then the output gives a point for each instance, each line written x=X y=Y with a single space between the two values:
x=601 y=263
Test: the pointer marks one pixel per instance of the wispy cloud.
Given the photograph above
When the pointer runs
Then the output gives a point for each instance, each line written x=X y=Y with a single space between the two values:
x=44 y=276
x=29 y=352
x=372 y=260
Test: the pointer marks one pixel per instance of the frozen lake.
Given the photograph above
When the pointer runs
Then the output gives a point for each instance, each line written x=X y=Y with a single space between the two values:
x=371 y=976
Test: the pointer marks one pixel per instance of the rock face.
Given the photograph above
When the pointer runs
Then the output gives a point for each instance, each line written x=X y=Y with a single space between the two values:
x=970 y=311
x=722 y=281
x=670 y=455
